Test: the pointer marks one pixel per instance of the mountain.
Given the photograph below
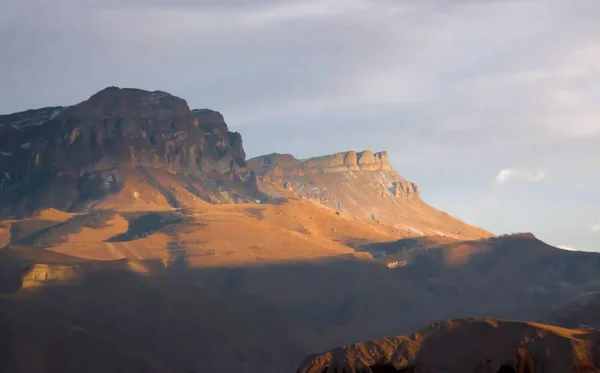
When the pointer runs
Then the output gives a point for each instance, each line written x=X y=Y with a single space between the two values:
x=362 y=185
x=469 y=345
x=121 y=147
x=134 y=237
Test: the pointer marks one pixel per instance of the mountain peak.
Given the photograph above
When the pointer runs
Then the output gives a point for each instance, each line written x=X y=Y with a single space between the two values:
x=115 y=128
x=115 y=101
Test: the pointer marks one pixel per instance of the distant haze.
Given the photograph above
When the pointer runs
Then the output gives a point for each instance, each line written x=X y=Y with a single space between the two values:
x=491 y=107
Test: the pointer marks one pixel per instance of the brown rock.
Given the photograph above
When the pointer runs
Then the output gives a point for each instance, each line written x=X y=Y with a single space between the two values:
x=116 y=128
x=405 y=189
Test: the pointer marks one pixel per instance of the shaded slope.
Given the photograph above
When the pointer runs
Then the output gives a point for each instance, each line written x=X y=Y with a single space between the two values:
x=582 y=313
x=119 y=322
x=501 y=269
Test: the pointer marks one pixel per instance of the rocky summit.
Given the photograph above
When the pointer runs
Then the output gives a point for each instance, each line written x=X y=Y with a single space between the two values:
x=82 y=153
x=363 y=185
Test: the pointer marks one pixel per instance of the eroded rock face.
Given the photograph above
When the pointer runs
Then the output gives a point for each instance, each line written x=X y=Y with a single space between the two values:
x=469 y=345
x=115 y=128
x=405 y=189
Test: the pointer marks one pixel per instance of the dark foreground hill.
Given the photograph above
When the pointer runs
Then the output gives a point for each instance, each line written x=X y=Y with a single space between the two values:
x=469 y=345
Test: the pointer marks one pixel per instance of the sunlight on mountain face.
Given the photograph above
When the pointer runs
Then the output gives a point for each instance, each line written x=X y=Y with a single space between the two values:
x=143 y=231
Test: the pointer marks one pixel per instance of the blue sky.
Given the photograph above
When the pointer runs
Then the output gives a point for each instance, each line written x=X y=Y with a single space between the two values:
x=492 y=107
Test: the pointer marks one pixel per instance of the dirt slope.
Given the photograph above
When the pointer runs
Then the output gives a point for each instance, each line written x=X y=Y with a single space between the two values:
x=211 y=235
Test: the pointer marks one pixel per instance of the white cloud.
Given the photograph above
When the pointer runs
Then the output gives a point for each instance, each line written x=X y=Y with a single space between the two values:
x=596 y=227
x=504 y=175
x=507 y=175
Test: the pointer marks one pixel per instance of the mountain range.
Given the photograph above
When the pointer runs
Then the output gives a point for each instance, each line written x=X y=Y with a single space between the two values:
x=135 y=236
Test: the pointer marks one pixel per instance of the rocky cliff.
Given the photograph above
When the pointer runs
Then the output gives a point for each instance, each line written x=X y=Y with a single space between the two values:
x=64 y=156
x=282 y=164
x=469 y=345
x=363 y=185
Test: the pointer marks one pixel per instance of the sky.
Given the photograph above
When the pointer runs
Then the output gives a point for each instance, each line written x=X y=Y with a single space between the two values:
x=492 y=107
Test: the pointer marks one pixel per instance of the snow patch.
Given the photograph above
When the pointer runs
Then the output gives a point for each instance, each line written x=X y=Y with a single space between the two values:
x=6 y=154
x=26 y=146
x=55 y=113
x=38 y=119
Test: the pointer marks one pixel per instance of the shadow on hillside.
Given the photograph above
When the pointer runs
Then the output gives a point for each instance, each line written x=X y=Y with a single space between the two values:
x=178 y=319
x=57 y=232
x=256 y=318
x=143 y=224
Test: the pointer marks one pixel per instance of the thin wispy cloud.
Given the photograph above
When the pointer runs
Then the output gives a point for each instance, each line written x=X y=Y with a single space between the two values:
x=508 y=175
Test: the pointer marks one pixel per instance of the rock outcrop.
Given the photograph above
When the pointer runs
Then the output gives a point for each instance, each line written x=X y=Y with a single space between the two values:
x=41 y=274
x=79 y=152
x=284 y=164
x=405 y=189
x=469 y=345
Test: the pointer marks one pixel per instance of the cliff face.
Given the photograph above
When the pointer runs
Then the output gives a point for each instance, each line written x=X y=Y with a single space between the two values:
x=363 y=185
x=348 y=161
x=469 y=345
x=283 y=164
x=79 y=150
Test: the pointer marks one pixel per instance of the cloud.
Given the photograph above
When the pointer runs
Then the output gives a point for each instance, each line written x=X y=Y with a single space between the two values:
x=507 y=175
x=596 y=227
